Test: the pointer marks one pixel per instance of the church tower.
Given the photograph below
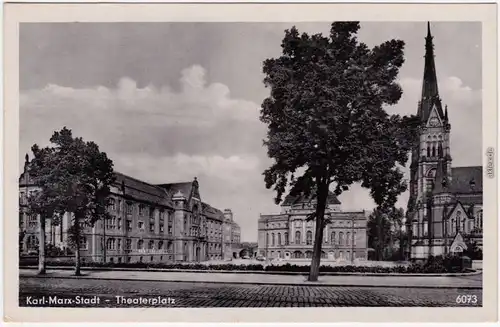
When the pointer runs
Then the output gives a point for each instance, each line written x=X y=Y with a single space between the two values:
x=432 y=149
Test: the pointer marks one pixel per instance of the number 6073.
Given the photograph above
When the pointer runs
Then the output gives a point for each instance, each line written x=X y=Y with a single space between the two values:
x=466 y=299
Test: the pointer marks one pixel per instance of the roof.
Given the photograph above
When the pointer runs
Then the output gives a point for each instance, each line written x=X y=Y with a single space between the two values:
x=211 y=212
x=462 y=177
x=289 y=200
x=188 y=189
x=142 y=191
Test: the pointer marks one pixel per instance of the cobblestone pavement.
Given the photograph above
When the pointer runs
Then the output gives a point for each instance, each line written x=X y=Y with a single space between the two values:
x=236 y=295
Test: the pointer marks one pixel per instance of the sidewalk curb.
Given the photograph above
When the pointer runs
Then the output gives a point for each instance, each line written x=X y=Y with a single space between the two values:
x=310 y=284
x=473 y=273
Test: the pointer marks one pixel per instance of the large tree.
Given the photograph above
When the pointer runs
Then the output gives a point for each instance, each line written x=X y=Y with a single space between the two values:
x=384 y=228
x=327 y=127
x=74 y=177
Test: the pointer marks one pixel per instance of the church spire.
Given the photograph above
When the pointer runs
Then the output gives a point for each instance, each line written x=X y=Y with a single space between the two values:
x=430 y=93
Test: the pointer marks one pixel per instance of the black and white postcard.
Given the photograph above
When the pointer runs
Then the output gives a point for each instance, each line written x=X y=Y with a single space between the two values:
x=165 y=162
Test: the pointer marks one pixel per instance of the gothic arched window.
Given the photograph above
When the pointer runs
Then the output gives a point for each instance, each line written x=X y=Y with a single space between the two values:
x=428 y=149
x=440 y=149
x=433 y=150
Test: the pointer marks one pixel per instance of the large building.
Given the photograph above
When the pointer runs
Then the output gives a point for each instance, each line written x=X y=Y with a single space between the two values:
x=444 y=201
x=150 y=223
x=290 y=236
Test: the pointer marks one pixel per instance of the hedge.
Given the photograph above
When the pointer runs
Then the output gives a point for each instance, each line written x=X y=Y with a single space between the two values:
x=435 y=265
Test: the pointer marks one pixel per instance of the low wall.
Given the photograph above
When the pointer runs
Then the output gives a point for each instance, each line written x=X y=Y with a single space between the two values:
x=477 y=264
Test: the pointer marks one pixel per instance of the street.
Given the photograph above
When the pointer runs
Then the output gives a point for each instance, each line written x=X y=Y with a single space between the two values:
x=188 y=294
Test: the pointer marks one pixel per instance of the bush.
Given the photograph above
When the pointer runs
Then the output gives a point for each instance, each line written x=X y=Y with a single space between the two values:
x=433 y=265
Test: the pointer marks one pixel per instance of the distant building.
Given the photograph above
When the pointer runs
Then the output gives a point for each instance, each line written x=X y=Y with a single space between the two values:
x=150 y=223
x=289 y=236
x=444 y=200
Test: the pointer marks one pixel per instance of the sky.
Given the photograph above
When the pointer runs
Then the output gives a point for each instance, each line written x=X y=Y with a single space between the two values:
x=171 y=101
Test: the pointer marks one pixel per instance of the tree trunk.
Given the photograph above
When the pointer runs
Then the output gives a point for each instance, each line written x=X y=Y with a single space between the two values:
x=77 y=245
x=41 y=245
x=321 y=197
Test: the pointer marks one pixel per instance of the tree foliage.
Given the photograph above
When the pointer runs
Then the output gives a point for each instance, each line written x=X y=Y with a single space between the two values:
x=326 y=118
x=74 y=176
x=384 y=231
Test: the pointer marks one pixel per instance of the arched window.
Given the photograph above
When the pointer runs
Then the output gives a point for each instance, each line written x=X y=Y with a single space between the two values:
x=140 y=244
x=286 y=238
x=279 y=238
x=428 y=149
x=354 y=238
x=272 y=239
x=434 y=150
x=348 y=238
x=333 y=240
x=453 y=226
x=440 y=149
x=267 y=238
x=309 y=236
x=151 y=245
x=160 y=245
x=297 y=238
x=341 y=238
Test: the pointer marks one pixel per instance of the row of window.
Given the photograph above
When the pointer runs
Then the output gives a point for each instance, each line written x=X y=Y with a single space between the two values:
x=343 y=238
x=455 y=224
x=300 y=223
x=335 y=255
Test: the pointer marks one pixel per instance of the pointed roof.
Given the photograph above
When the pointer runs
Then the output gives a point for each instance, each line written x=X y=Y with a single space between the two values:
x=458 y=245
x=430 y=92
x=441 y=181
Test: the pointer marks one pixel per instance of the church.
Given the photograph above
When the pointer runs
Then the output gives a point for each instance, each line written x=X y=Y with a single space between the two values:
x=446 y=202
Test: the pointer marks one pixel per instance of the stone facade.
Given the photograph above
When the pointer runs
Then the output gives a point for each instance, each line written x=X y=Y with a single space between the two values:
x=444 y=200
x=290 y=236
x=150 y=223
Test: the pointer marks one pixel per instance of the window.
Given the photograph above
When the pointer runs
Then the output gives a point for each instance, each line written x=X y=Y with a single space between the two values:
x=309 y=237
x=279 y=238
x=169 y=230
x=161 y=228
x=160 y=245
x=129 y=225
x=151 y=213
x=453 y=226
x=151 y=245
x=140 y=244
x=111 y=204
x=118 y=209
x=141 y=210
x=333 y=240
x=83 y=243
x=111 y=223
x=348 y=238
x=272 y=239
x=130 y=208
x=286 y=238
x=119 y=223
x=111 y=244
x=341 y=238
x=297 y=237
x=354 y=239
x=140 y=225
x=119 y=244
x=128 y=244
x=151 y=227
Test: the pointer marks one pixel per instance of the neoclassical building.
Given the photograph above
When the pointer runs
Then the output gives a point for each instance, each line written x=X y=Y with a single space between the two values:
x=150 y=223
x=289 y=236
x=445 y=202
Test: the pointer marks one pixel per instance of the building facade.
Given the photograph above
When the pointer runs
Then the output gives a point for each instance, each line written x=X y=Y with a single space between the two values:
x=149 y=223
x=444 y=200
x=290 y=236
